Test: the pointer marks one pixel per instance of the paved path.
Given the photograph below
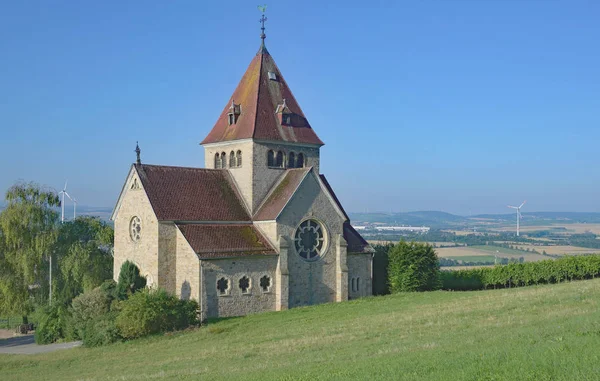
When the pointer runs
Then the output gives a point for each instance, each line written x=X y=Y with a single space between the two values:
x=25 y=345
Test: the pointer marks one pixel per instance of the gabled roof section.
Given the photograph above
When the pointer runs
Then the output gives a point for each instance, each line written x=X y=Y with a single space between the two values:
x=225 y=240
x=356 y=243
x=332 y=193
x=259 y=93
x=280 y=194
x=191 y=194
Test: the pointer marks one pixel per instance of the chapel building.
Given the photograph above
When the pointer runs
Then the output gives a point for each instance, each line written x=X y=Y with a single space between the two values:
x=259 y=228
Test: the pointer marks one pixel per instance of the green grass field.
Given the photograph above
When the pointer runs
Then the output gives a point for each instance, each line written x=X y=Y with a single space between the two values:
x=535 y=333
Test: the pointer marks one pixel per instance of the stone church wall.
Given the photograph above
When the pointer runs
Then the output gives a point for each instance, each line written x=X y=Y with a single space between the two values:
x=359 y=275
x=167 y=246
x=243 y=174
x=187 y=269
x=235 y=302
x=264 y=177
x=311 y=282
x=144 y=252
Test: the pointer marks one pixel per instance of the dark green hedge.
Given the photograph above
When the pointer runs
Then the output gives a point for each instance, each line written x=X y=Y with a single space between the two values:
x=523 y=274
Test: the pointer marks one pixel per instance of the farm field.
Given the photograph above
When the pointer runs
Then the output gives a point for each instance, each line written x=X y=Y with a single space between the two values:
x=470 y=251
x=474 y=258
x=571 y=228
x=535 y=333
x=558 y=249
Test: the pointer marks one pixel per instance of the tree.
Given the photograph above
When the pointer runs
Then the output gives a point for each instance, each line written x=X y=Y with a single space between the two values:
x=28 y=228
x=413 y=267
x=83 y=256
x=130 y=280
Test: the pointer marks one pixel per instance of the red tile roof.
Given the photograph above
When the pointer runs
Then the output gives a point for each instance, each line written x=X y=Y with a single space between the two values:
x=281 y=193
x=192 y=194
x=332 y=193
x=259 y=97
x=225 y=240
x=356 y=243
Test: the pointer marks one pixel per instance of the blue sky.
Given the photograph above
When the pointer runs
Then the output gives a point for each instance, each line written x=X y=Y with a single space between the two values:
x=460 y=106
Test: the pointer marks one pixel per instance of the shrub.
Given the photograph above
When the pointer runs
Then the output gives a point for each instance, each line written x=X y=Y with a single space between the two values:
x=461 y=280
x=413 y=267
x=380 y=269
x=101 y=330
x=86 y=307
x=152 y=311
x=51 y=324
x=524 y=274
x=109 y=287
x=130 y=280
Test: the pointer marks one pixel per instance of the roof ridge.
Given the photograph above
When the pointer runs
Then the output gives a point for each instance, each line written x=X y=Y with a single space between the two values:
x=258 y=92
x=271 y=191
x=179 y=167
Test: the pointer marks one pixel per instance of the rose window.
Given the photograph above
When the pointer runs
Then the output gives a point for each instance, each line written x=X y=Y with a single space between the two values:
x=309 y=240
x=135 y=228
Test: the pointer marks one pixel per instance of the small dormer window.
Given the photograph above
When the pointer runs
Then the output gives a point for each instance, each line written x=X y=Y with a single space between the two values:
x=286 y=119
x=234 y=113
x=272 y=76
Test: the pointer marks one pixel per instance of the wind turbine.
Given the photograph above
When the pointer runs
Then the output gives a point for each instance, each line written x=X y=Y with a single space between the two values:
x=62 y=204
x=74 y=208
x=518 y=208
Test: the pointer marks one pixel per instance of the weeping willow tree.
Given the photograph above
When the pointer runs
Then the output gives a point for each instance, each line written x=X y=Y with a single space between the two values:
x=83 y=257
x=28 y=232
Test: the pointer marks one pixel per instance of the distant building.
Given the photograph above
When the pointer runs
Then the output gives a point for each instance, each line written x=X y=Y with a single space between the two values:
x=258 y=229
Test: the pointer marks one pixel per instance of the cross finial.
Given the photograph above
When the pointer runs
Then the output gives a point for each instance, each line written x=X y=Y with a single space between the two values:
x=263 y=9
x=138 y=151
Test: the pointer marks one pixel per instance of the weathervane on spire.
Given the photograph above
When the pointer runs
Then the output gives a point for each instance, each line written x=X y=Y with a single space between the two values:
x=263 y=9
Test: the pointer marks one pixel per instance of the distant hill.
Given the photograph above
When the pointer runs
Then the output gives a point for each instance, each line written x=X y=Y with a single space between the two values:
x=432 y=219
x=439 y=220
x=570 y=217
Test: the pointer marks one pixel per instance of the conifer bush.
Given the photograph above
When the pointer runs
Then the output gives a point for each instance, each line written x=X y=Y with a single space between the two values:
x=130 y=280
x=413 y=267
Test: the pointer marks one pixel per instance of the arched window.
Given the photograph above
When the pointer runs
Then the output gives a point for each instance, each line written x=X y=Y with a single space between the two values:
x=279 y=159
x=271 y=158
x=232 y=160
x=353 y=285
x=300 y=163
x=291 y=160
x=357 y=284
x=239 y=159
x=217 y=161
x=223 y=160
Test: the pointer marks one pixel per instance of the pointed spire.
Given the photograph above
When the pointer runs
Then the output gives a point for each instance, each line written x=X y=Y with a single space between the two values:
x=138 y=151
x=263 y=48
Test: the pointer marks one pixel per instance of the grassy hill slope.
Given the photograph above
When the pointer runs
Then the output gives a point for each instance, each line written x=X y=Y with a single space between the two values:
x=536 y=333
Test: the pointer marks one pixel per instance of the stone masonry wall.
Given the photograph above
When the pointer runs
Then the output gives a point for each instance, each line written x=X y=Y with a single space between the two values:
x=144 y=252
x=359 y=271
x=264 y=177
x=167 y=255
x=235 y=303
x=187 y=266
x=311 y=282
x=243 y=174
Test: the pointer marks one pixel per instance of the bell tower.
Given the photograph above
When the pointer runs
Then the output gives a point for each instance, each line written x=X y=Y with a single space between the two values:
x=262 y=131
